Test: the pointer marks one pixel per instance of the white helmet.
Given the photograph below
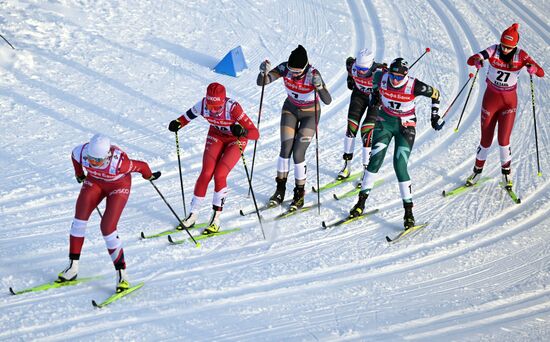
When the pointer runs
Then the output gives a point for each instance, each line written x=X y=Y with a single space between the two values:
x=365 y=58
x=99 y=147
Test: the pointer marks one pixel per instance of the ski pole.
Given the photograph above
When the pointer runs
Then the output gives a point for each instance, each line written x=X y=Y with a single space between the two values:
x=250 y=185
x=467 y=98
x=99 y=212
x=456 y=97
x=7 y=41
x=181 y=178
x=539 y=172
x=422 y=55
x=258 y=127
x=317 y=151
x=173 y=212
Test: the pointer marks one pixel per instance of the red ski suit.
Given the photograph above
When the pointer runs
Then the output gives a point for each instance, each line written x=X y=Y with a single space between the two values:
x=221 y=151
x=500 y=99
x=112 y=180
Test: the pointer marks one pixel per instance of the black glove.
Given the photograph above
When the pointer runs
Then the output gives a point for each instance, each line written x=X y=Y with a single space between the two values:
x=349 y=62
x=80 y=179
x=155 y=175
x=238 y=130
x=374 y=99
x=174 y=126
x=435 y=120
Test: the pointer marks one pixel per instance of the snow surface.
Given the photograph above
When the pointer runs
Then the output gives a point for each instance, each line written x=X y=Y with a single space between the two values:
x=479 y=272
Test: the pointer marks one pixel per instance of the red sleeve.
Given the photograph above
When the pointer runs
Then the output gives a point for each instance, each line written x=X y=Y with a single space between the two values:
x=527 y=60
x=183 y=121
x=243 y=120
x=472 y=58
x=128 y=165
x=78 y=170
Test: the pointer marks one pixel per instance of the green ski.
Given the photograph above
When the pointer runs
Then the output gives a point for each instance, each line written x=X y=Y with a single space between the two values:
x=511 y=193
x=116 y=296
x=53 y=285
x=337 y=182
x=172 y=231
x=353 y=192
x=349 y=219
x=409 y=232
x=464 y=187
x=202 y=236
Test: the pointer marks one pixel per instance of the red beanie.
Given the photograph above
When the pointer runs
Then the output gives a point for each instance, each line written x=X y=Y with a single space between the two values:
x=510 y=36
x=215 y=94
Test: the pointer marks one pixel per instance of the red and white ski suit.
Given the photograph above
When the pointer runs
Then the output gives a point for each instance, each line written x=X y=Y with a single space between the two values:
x=112 y=181
x=500 y=100
x=221 y=151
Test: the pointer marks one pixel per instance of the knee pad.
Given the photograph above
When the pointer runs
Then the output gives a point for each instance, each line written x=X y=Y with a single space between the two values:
x=78 y=228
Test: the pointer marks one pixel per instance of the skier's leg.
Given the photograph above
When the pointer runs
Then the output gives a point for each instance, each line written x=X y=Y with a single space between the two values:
x=358 y=104
x=506 y=120
x=367 y=130
x=404 y=142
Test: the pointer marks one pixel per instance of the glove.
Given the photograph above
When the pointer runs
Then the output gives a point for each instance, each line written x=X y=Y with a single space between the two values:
x=238 y=130
x=478 y=63
x=174 y=126
x=80 y=179
x=531 y=69
x=317 y=81
x=155 y=175
x=435 y=120
x=374 y=99
x=349 y=62
x=265 y=66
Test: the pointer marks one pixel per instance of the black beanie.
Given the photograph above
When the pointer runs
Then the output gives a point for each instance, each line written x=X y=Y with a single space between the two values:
x=298 y=58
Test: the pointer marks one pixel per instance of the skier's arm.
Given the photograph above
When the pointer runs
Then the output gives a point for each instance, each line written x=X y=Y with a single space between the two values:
x=422 y=89
x=531 y=64
x=481 y=56
x=78 y=169
x=272 y=74
x=250 y=130
x=349 y=64
x=128 y=165
x=185 y=118
x=321 y=87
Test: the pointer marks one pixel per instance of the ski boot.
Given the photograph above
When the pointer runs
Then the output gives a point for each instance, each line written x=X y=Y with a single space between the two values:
x=359 y=207
x=298 y=199
x=122 y=281
x=279 y=195
x=474 y=177
x=507 y=179
x=408 y=218
x=188 y=222
x=69 y=273
x=214 y=225
x=345 y=172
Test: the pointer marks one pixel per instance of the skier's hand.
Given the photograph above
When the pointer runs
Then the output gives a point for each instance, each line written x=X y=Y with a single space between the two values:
x=317 y=81
x=174 y=126
x=80 y=179
x=349 y=62
x=478 y=62
x=154 y=176
x=374 y=99
x=531 y=69
x=265 y=66
x=435 y=122
x=238 y=130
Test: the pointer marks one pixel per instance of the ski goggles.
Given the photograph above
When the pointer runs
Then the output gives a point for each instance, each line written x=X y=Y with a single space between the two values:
x=295 y=71
x=394 y=77
x=361 y=70
x=96 y=162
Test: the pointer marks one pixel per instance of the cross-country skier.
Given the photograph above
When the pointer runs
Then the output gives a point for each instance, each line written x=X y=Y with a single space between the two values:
x=360 y=73
x=108 y=176
x=229 y=128
x=395 y=91
x=500 y=99
x=301 y=81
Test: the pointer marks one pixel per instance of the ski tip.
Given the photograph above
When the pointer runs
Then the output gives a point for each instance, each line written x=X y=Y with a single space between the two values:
x=388 y=239
x=443 y=193
x=335 y=197
x=142 y=235
x=241 y=212
x=519 y=201
x=12 y=291
x=313 y=189
x=324 y=224
x=170 y=239
x=95 y=304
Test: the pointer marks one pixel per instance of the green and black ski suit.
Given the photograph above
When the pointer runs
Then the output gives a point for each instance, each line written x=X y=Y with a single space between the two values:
x=396 y=118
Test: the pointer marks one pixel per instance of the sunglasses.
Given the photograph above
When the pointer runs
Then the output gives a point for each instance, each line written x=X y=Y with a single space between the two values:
x=294 y=71
x=213 y=109
x=361 y=70
x=506 y=47
x=95 y=161
x=396 y=77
